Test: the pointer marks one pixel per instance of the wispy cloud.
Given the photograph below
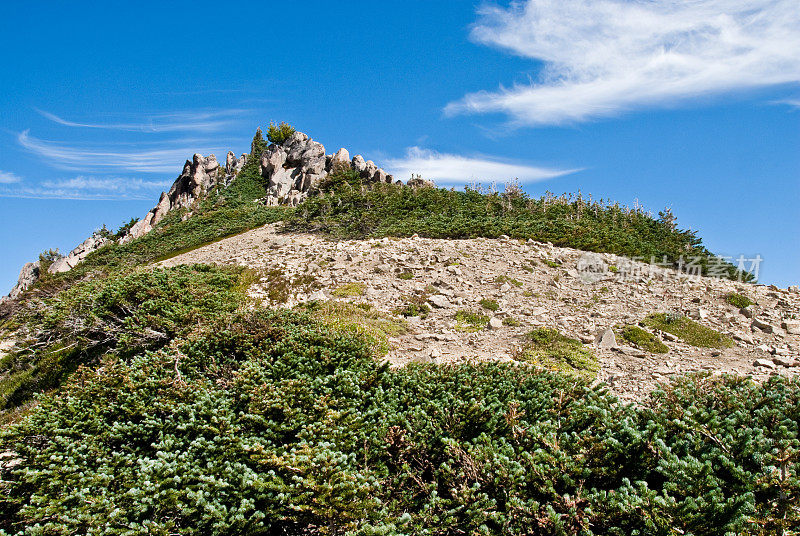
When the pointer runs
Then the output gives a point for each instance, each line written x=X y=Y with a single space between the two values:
x=604 y=57
x=88 y=188
x=196 y=121
x=794 y=103
x=456 y=169
x=65 y=156
x=6 y=177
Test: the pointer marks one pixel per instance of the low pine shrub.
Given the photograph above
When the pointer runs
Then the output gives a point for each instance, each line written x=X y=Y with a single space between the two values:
x=271 y=423
x=548 y=349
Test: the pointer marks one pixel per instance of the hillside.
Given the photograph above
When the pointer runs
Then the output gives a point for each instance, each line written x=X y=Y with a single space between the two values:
x=295 y=342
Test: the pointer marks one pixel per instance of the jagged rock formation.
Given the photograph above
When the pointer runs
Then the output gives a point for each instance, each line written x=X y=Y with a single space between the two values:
x=199 y=176
x=27 y=277
x=63 y=264
x=298 y=165
x=291 y=170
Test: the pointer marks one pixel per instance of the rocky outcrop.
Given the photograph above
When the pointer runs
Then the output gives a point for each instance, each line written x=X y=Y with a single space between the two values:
x=93 y=243
x=291 y=170
x=199 y=176
x=296 y=167
x=27 y=277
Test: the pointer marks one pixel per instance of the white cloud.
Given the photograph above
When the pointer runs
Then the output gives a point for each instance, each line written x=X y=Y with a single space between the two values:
x=457 y=169
x=195 y=121
x=65 y=156
x=88 y=188
x=6 y=177
x=603 y=57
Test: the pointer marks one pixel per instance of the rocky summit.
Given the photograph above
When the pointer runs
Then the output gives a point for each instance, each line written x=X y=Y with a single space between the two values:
x=295 y=342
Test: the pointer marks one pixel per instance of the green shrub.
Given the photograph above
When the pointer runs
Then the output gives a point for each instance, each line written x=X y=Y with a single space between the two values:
x=470 y=321
x=405 y=276
x=550 y=350
x=738 y=300
x=121 y=316
x=511 y=321
x=643 y=339
x=688 y=330
x=277 y=134
x=349 y=211
x=491 y=305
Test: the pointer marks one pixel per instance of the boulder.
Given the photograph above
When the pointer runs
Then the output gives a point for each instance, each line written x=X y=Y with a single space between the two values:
x=792 y=327
x=339 y=161
x=495 y=323
x=606 y=339
x=359 y=164
x=439 y=301
x=416 y=181
x=272 y=160
x=369 y=170
x=763 y=326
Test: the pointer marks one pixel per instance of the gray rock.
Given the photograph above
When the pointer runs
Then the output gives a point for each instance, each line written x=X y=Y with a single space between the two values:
x=606 y=339
x=416 y=181
x=77 y=255
x=766 y=363
x=763 y=326
x=28 y=276
x=339 y=161
x=439 y=301
x=792 y=327
x=234 y=165
x=784 y=361
x=747 y=312
x=369 y=170
x=359 y=164
x=272 y=160
x=495 y=323
x=794 y=288
x=317 y=295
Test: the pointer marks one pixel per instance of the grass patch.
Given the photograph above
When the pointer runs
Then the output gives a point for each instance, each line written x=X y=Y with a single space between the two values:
x=361 y=320
x=500 y=279
x=549 y=349
x=469 y=321
x=349 y=290
x=491 y=305
x=688 y=330
x=642 y=339
x=551 y=264
x=512 y=322
x=405 y=276
x=281 y=288
x=738 y=300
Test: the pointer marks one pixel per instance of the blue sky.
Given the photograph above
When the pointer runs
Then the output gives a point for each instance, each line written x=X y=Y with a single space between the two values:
x=691 y=105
